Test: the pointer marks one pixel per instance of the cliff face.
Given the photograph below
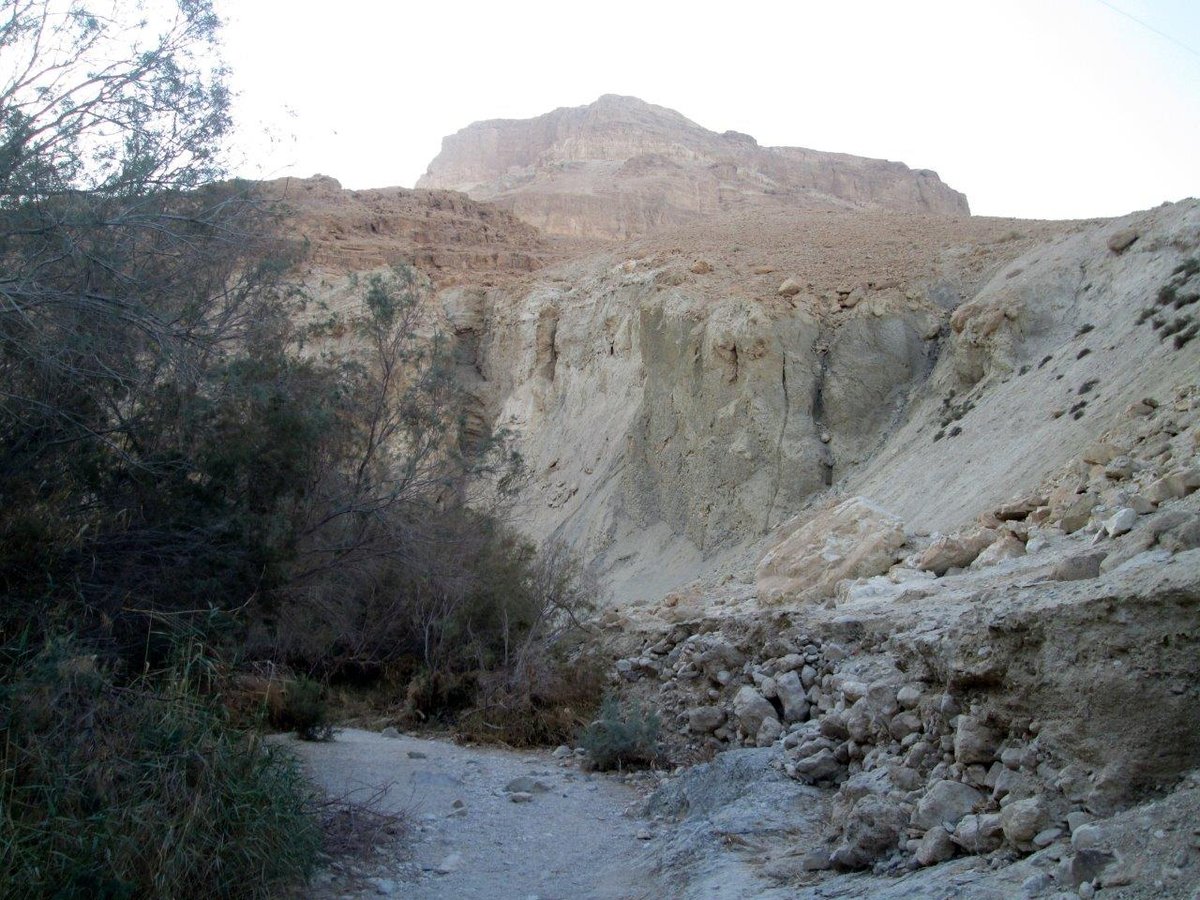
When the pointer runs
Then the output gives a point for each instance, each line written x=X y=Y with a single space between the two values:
x=621 y=168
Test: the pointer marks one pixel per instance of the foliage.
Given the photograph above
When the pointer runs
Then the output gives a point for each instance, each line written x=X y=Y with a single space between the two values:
x=139 y=789
x=305 y=710
x=621 y=735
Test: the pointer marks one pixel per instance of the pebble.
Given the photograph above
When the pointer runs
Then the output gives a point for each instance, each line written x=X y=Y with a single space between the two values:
x=449 y=863
x=521 y=797
x=417 y=754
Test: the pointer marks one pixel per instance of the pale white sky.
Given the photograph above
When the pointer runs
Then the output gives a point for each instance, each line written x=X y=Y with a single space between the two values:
x=1033 y=108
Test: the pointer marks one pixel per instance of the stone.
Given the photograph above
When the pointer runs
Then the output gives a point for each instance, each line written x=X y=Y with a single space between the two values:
x=872 y=830
x=768 y=732
x=904 y=724
x=946 y=803
x=1120 y=241
x=1119 y=468
x=1076 y=513
x=526 y=784
x=817 y=767
x=909 y=696
x=789 y=288
x=701 y=267
x=1007 y=546
x=955 y=551
x=979 y=833
x=451 y=862
x=974 y=741
x=750 y=708
x=833 y=726
x=1046 y=837
x=1016 y=510
x=417 y=754
x=935 y=847
x=705 y=719
x=1087 y=836
x=1011 y=757
x=1077 y=819
x=521 y=797
x=1022 y=820
x=1169 y=487
x=390 y=732
x=1078 y=568
x=853 y=690
x=791 y=693
x=562 y=751
x=854 y=539
x=1121 y=522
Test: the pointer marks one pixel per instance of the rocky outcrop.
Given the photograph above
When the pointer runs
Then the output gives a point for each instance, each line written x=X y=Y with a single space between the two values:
x=448 y=236
x=621 y=168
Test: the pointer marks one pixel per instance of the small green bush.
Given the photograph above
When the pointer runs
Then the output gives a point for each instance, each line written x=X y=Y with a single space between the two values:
x=621 y=736
x=305 y=710
x=112 y=790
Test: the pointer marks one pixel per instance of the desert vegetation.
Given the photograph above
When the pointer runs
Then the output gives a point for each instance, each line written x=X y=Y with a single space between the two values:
x=193 y=482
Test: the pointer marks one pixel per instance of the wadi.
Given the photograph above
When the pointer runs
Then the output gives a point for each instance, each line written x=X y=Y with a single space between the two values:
x=627 y=510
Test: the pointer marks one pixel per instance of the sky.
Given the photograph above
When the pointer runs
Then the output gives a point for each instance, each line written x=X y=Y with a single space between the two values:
x=1033 y=108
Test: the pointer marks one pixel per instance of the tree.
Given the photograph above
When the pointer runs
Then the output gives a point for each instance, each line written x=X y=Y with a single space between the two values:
x=127 y=277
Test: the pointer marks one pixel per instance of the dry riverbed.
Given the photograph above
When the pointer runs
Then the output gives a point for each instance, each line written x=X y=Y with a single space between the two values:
x=483 y=822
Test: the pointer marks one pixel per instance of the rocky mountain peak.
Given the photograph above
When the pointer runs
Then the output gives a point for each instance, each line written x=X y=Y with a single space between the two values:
x=621 y=167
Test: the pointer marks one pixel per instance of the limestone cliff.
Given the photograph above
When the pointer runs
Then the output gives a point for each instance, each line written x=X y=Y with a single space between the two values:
x=620 y=168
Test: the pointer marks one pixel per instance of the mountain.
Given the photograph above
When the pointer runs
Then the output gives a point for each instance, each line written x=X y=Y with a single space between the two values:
x=621 y=167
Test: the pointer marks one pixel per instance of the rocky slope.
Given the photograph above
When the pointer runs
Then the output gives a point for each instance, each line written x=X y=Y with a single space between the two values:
x=620 y=168
x=899 y=518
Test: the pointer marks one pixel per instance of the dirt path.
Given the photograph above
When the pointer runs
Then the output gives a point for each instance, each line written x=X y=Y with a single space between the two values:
x=574 y=835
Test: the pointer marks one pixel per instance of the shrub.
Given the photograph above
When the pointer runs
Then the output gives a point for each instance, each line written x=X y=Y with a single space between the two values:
x=305 y=710
x=622 y=735
x=141 y=790
x=542 y=703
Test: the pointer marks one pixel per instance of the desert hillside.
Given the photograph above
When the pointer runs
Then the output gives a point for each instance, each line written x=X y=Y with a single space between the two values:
x=895 y=507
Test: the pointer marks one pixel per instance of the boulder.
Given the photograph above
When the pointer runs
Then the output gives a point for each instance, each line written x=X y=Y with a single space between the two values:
x=792 y=695
x=935 y=847
x=979 y=834
x=1120 y=241
x=855 y=539
x=1120 y=522
x=750 y=708
x=1021 y=820
x=768 y=732
x=1078 y=568
x=705 y=719
x=974 y=742
x=945 y=804
x=955 y=551
x=1007 y=546
x=872 y=830
x=818 y=766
